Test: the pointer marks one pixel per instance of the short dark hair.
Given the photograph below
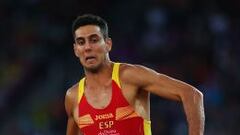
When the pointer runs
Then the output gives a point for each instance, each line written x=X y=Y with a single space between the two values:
x=90 y=19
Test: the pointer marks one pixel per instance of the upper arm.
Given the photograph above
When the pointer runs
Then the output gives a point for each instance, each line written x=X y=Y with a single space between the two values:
x=147 y=79
x=68 y=103
x=72 y=128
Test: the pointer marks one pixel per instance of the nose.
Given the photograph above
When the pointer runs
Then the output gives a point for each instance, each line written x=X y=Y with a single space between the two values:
x=88 y=46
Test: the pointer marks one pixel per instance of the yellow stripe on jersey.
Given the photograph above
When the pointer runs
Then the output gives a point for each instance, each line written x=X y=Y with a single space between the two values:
x=115 y=73
x=80 y=89
x=147 y=127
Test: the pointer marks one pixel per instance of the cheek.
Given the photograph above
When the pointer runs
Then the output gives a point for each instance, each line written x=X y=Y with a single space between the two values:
x=100 y=50
x=105 y=49
x=78 y=50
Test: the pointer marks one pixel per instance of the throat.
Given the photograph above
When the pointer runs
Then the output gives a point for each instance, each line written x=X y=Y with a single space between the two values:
x=99 y=98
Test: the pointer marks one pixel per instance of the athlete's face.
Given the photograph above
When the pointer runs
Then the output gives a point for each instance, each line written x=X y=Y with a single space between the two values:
x=90 y=47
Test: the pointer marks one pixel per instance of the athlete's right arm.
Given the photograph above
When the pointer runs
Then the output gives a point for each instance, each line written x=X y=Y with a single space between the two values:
x=72 y=128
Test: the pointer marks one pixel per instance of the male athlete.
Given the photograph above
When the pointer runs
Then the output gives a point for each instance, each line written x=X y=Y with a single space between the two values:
x=113 y=98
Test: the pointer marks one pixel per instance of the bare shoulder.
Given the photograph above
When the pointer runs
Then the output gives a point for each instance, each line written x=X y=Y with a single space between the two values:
x=127 y=68
x=136 y=74
x=72 y=92
x=71 y=98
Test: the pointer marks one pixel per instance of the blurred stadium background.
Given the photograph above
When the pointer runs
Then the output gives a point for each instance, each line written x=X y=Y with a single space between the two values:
x=196 y=41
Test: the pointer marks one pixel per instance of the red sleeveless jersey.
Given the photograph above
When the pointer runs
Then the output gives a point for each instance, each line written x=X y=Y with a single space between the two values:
x=118 y=118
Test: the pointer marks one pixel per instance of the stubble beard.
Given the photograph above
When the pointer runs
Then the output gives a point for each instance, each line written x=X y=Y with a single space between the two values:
x=94 y=68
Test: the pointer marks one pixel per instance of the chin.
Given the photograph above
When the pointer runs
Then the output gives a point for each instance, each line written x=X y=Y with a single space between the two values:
x=92 y=67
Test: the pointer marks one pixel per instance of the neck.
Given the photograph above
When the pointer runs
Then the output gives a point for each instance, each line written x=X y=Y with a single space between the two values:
x=101 y=76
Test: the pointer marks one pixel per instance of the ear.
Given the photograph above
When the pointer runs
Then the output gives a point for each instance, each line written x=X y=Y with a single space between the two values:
x=75 y=49
x=108 y=44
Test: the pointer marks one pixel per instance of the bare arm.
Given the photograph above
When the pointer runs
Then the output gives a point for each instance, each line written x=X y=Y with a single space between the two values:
x=167 y=87
x=72 y=128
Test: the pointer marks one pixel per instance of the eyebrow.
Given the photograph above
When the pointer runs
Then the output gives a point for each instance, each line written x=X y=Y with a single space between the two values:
x=91 y=35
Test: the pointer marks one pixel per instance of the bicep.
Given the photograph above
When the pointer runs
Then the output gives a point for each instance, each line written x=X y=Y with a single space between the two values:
x=156 y=83
x=165 y=86
x=72 y=128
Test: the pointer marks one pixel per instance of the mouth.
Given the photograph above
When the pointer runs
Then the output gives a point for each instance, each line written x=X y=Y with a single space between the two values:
x=90 y=58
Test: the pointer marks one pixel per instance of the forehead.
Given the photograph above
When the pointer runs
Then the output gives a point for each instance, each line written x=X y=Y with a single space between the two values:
x=87 y=30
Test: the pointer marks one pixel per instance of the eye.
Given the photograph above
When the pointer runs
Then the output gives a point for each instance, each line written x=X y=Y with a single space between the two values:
x=94 y=40
x=80 y=42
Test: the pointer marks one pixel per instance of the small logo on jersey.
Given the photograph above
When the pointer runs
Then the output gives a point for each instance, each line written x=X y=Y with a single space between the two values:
x=104 y=116
x=123 y=113
x=85 y=120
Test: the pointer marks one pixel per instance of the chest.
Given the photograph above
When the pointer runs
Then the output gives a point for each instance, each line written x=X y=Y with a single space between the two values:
x=107 y=105
x=100 y=97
